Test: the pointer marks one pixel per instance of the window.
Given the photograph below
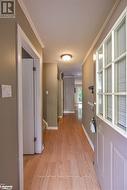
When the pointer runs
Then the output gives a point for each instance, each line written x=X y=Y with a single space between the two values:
x=111 y=77
x=120 y=109
x=108 y=51
x=120 y=39
x=108 y=107
x=100 y=81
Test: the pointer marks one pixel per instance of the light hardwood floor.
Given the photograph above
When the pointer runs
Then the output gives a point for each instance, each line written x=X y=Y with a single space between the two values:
x=66 y=162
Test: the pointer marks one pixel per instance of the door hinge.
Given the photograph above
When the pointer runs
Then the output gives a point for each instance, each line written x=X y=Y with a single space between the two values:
x=35 y=139
x=34 y=68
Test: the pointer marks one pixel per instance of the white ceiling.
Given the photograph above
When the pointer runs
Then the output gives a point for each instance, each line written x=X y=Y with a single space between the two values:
x=68 y=26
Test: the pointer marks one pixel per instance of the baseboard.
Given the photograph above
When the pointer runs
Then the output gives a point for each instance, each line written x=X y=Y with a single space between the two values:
x=43 y=147
x=60 y=116
x=52 y=128
x=89 y=140
x=69 y=112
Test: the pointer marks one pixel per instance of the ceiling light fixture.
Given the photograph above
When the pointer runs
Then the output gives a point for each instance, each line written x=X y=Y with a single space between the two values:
x=66 y=57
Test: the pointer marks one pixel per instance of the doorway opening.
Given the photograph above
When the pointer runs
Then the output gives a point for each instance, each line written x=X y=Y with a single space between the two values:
x=72 y=95
x=29 y=72
x=78 y=97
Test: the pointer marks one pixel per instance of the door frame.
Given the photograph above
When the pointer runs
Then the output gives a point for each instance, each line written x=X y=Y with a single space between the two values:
x=24 y=42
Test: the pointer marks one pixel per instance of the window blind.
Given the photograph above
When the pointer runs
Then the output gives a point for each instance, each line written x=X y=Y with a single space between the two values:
x=109 y=108
x=101 y=104
x=100 y=59
x=120 y=39
x=108 y=79
x=121 y=75
x=121 y=111
x=108 y=51
x=100 y=82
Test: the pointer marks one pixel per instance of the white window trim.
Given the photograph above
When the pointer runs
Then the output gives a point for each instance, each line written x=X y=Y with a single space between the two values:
x=103 y=117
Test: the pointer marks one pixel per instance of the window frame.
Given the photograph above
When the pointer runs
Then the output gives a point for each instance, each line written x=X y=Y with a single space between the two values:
x=114 y=61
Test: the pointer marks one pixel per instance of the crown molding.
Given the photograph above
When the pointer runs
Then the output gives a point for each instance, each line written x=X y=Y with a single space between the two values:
x=25 y=11
x=101 y=30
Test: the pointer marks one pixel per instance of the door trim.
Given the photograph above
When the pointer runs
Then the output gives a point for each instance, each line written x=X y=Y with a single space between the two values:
x=24 y=42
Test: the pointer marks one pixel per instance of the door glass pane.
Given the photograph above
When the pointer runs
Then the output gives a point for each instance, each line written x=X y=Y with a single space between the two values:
x=120 y=39
x=100 y=82
x=120 y=76
x=108 y=79
x=108 y=51
x=120 y=111
x=100 y=59
x=100 y=104
x=109 y=107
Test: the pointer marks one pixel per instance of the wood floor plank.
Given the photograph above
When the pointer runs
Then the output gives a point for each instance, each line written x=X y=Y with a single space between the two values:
x=66 y=162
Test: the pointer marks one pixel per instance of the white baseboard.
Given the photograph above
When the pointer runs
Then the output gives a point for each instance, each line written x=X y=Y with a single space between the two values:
x=89 y=140
x=60 y=116
x=69 y=112
x=52 y=128
x=43 y=147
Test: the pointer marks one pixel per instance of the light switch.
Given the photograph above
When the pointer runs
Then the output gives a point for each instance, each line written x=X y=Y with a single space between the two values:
x=6 y=91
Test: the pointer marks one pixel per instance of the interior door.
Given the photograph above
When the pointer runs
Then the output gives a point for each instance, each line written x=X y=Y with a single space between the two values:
x=28 y=106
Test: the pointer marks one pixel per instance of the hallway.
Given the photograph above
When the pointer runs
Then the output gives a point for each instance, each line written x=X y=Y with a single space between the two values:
x=66 y=162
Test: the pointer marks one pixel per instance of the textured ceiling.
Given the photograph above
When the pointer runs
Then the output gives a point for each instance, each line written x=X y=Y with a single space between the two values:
x=68 y=26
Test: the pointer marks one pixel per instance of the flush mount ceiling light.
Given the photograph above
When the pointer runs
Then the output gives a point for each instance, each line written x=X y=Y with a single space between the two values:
x=66 y=57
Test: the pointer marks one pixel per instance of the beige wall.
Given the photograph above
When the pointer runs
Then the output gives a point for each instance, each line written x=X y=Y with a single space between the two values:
x=8 y=106
x=50 y=99
x=88 y=80
x=88 y=70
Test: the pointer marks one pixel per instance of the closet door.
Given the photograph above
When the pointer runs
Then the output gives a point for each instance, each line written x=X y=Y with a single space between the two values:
x=28 y=106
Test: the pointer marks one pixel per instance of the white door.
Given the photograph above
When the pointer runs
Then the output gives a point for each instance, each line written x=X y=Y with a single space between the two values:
x=28 y=106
